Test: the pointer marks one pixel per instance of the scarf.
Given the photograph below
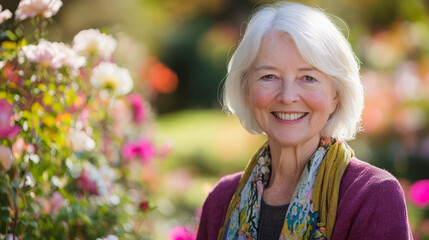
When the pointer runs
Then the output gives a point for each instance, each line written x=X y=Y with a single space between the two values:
x=313 y=207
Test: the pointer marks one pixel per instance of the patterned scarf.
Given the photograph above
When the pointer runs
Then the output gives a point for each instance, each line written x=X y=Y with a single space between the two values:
x=313 y=207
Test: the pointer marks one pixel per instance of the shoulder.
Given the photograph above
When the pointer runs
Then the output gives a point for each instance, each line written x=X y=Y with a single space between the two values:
x=361 y=178
x=216 y=206
x=371 y=204
x=226 y=185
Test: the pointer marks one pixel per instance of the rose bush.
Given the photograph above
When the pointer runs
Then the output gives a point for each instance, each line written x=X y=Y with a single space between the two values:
x=71 y=128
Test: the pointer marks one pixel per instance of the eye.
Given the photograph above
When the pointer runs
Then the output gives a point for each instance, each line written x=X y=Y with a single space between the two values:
x=268 y=77
x=309 y=79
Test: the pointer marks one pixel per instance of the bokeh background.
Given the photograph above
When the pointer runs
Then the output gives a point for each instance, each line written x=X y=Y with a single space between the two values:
x=182 y=48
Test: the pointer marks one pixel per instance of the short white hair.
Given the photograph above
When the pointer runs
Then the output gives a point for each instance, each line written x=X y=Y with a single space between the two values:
x=320 y=43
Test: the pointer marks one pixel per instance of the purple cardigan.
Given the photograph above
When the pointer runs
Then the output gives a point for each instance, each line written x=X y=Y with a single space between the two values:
x=371 y=205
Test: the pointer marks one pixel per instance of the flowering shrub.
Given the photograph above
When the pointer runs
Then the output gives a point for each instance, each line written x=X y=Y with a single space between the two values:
x=70 y=125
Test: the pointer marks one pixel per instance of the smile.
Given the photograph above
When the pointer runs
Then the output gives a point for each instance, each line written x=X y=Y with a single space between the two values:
x=289 y=116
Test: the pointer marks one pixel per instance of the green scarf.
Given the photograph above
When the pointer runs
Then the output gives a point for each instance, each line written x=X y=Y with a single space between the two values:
x=313 y=207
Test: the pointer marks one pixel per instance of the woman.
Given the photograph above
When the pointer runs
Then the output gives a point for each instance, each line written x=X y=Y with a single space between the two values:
x=295 y=78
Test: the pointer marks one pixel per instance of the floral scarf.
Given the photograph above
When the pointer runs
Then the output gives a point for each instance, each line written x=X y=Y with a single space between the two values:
x=314 y=199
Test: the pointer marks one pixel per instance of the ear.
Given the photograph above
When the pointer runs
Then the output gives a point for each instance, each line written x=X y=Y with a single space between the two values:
x=335 y=102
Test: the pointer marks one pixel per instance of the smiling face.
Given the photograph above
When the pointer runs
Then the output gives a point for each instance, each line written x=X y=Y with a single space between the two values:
x=290 y=99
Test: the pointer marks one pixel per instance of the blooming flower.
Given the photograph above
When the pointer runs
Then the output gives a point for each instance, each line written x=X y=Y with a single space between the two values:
x=56 y=202
x=4 y=15
x=138 y=107
x=181 y=233
x=32 y=8
x=86 y=185
x=144 y=206
x=93 y=42
x=419 y=193
x=80 y=141
x=141 y=148
x=53 y=54
x=109 y=76
x=6 y=159
x=109 y=237
x=96 y=181
x=7 y=130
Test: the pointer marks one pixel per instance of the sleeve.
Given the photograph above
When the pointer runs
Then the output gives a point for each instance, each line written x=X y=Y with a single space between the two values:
x=215 y=207
x=376 y=210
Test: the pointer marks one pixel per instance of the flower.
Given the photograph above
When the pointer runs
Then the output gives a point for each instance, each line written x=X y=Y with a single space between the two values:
x=53 y=54
x=6 y=159
x=141 y=148
x=144 y=206
x=96 y=181
x=93 y=42
x=7 y=130
x=109 y=237
x=32 y=8
x=109 y=76
x=53 y=205
x=56 y=202
x=419 y=193
x=80 y=141
x=138 y=107
x=86 y=185
x=162 y=78
x=4 y=15
x=181 y=233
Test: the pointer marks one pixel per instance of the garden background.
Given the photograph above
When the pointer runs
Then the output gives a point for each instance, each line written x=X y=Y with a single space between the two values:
x=176 y=53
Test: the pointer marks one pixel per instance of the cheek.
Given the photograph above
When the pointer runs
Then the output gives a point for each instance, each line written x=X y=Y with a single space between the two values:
x=321 y=102
x=260 y=98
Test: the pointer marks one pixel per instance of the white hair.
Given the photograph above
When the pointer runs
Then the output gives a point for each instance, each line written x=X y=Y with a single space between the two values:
x=320 y=43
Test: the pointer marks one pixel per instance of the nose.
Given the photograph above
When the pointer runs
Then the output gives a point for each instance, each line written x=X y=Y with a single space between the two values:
x=288 y=92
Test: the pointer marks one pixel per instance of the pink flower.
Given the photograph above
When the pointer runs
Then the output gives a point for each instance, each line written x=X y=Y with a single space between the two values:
x=86 y=185
x=165 y=149
x=32 y=8
x=93 y=42
x=138 y=106
x=141 y=148
x=56 y=202
x=7 y=130
x=419 y=193
x=5 y=15
x=181 y=233
x=6 y=159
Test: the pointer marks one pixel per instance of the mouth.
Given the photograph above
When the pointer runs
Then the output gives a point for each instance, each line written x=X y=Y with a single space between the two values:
x=289 y=116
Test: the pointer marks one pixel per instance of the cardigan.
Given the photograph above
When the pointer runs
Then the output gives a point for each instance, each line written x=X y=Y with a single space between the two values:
x=371 y=205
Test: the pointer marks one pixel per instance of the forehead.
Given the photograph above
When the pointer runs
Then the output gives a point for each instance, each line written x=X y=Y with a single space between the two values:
x=278 y=47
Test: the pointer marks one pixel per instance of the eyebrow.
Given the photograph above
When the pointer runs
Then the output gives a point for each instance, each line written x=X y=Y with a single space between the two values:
x=271 y=67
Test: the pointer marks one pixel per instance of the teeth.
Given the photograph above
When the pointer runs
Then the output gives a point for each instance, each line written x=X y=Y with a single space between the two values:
x=287 y=116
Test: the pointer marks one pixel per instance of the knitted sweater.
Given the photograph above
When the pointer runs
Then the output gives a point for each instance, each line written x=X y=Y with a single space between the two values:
x=371 y=205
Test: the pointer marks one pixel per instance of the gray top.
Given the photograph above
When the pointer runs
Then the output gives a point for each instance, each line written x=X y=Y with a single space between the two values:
x=271 y=219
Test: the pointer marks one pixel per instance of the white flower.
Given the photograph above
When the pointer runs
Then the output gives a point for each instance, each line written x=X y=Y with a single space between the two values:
x=43 y=53
x=5 y=15
x=110 y=237
x=103 y=177
x=109 y=76
x=53 y=54
x=2 y=64
x=92 y=41
x=32 y=8
x=80 y=141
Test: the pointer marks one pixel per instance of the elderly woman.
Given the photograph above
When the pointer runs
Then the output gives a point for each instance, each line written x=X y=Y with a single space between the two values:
x=295 y=79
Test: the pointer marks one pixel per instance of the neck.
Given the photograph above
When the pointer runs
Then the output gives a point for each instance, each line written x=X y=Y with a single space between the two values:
x=287 y=164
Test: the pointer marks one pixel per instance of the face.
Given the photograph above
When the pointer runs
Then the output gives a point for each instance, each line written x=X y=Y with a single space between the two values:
x=290 y=99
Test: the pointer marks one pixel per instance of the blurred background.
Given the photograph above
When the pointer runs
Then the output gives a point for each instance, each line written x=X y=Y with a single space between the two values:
x=178 y=52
